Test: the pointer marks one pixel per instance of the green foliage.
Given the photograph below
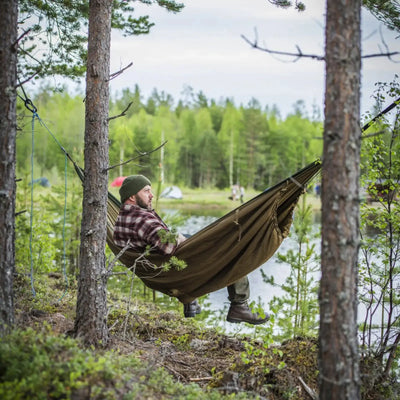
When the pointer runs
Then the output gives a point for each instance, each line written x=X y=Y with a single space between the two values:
x=43 y=366
x=387 y=12
x=53 y=33
x=175 y=263
x=254 y=353
x=379 y=269
x=48 y=240
x=250 y=146
x=298 y=5
x=297 y=308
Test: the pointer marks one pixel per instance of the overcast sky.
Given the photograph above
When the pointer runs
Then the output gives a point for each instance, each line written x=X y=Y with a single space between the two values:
x=202 y=47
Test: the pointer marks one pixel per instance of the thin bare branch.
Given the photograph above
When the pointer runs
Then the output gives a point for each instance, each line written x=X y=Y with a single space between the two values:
x=388 y=55
x=20 y=84
x=299 y=54
x=111 y=265
x=123 y=112
x=20 y=37
x=115 y=74
x=20 y=212
x=307 y=388
x=140 y=155
x=30 y=56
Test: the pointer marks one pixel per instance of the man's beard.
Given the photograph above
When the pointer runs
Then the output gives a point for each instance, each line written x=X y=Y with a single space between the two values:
x=141 y=203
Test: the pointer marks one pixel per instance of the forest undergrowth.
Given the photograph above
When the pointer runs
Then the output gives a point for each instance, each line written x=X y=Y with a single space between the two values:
x=154 y=352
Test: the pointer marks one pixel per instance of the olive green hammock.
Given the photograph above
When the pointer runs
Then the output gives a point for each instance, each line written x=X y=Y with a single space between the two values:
x=224 y=251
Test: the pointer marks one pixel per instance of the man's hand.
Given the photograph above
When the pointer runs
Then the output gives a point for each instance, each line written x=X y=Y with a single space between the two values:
x=180 y=238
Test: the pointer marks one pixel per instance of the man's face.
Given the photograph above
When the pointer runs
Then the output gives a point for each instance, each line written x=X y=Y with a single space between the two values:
x=144 y=197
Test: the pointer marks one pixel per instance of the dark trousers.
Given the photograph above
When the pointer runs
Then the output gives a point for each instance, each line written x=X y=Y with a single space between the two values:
x=239 y=292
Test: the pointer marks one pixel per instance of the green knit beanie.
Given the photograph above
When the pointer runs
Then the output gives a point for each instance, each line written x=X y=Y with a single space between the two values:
x=131 y=185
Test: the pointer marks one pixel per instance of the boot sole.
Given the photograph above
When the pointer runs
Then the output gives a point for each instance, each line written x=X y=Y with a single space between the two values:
x=238 y=321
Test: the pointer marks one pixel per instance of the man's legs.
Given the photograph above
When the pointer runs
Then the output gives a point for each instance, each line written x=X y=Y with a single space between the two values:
x=239 y=292
x=191 y=309
x=239 y=311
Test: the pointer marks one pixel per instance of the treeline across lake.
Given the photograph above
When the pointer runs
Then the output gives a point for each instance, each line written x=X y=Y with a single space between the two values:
x=206 y=143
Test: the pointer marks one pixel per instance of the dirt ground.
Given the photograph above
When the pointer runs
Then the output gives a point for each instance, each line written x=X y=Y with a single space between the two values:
x=202 y=356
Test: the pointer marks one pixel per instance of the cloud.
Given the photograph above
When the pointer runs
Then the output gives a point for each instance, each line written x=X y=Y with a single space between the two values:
x=202 y=47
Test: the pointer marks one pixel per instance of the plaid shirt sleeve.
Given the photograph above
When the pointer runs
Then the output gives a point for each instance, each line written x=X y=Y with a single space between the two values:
x=140 y=227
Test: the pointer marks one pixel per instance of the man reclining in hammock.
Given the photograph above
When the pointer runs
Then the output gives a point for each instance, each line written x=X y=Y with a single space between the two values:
x=139 y=224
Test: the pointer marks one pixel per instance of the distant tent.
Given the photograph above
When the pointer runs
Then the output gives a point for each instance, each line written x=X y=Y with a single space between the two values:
x=172 y=192
x=42 y=182
x=117 y=182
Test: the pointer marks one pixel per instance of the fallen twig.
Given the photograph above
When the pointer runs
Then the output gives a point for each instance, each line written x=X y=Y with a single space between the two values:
x=307 y=388
x=202 y=378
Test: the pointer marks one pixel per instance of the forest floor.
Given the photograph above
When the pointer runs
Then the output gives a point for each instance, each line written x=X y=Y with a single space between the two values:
x=190 y=352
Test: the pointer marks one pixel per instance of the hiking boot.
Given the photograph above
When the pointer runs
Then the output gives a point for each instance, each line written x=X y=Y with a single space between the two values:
x=242 y=313
x=191 y=309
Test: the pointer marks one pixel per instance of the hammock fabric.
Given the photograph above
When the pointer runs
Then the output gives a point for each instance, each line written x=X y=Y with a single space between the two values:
x=226 y=250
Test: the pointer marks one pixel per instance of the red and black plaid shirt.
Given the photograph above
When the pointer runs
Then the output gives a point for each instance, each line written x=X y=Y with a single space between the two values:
x=141 y=227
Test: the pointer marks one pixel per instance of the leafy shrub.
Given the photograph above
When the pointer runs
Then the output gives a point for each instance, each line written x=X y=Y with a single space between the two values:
x=35 y=365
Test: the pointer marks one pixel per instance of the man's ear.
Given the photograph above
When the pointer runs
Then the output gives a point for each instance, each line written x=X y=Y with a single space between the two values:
x=132 y=199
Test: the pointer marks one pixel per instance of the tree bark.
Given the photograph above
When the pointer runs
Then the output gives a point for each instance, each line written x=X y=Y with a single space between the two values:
x=91 y=310
x=338 y=352
x=8 y=129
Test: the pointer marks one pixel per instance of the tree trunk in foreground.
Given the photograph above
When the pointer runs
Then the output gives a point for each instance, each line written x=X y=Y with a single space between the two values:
x=91 y=310
x=338 y=352
x=8 y=130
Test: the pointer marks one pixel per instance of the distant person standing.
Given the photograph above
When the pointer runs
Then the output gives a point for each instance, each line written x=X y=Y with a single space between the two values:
x=241 y=194
x=234 y=192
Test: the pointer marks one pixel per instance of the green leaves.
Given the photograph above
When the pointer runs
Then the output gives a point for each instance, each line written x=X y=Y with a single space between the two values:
x=379 y=269
x=298 y=5
x=386 y=11
x=54 y=34
x=297 y=307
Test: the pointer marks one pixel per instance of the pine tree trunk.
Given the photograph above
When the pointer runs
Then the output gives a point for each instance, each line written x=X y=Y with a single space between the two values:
x=338 y=353
x=8 y=80
x=91 y=311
